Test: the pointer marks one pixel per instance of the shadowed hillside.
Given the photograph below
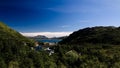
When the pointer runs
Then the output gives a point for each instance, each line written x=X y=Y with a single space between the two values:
x=95 y=35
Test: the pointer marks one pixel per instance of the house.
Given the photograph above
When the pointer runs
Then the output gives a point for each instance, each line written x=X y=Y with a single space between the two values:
x=36 y=44
x=37 y=48
x=50 y=51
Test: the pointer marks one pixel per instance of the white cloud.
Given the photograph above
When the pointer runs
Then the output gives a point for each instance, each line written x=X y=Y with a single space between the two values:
x=48 y=34
x=87 y=6
x=65 y=26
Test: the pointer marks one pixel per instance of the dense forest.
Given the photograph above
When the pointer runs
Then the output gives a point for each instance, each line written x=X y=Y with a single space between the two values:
x=96 y=47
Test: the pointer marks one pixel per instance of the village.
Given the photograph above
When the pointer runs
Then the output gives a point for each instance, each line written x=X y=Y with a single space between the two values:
x=44 y=46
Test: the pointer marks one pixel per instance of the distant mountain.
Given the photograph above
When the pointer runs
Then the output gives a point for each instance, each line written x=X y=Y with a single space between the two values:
x=95 y=35
x=39 y=37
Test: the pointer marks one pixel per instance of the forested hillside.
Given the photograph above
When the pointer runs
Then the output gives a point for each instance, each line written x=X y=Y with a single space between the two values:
x=9 y=34
x=95 y=35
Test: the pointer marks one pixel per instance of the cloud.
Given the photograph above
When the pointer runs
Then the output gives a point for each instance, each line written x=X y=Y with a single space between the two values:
x=76 y=6
x=48 y=34
x=87 y=6
x=65 y=26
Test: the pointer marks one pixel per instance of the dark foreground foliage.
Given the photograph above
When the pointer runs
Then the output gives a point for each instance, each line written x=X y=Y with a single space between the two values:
x=65 y=56
x=88 y=56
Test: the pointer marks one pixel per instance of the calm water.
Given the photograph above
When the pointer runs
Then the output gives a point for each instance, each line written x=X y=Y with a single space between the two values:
x=49 y=40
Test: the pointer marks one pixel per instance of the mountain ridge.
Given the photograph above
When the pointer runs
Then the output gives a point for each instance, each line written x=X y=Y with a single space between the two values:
x=94 y=35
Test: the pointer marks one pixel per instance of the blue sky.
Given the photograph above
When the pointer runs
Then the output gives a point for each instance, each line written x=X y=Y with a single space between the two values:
x=59 y=15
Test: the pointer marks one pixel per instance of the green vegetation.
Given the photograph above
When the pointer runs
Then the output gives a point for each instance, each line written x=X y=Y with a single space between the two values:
x=95 y=35
x=88 y=56
x=9 y=35
x=96 y=47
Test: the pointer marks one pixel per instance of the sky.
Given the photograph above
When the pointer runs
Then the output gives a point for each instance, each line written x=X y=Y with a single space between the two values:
x=58 y=17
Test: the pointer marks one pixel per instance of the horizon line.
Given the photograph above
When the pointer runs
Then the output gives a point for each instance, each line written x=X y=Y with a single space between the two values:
x=47 y=34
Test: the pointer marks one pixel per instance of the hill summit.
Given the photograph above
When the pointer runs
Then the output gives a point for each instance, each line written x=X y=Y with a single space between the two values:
x=6 y=33
x=94 y=35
